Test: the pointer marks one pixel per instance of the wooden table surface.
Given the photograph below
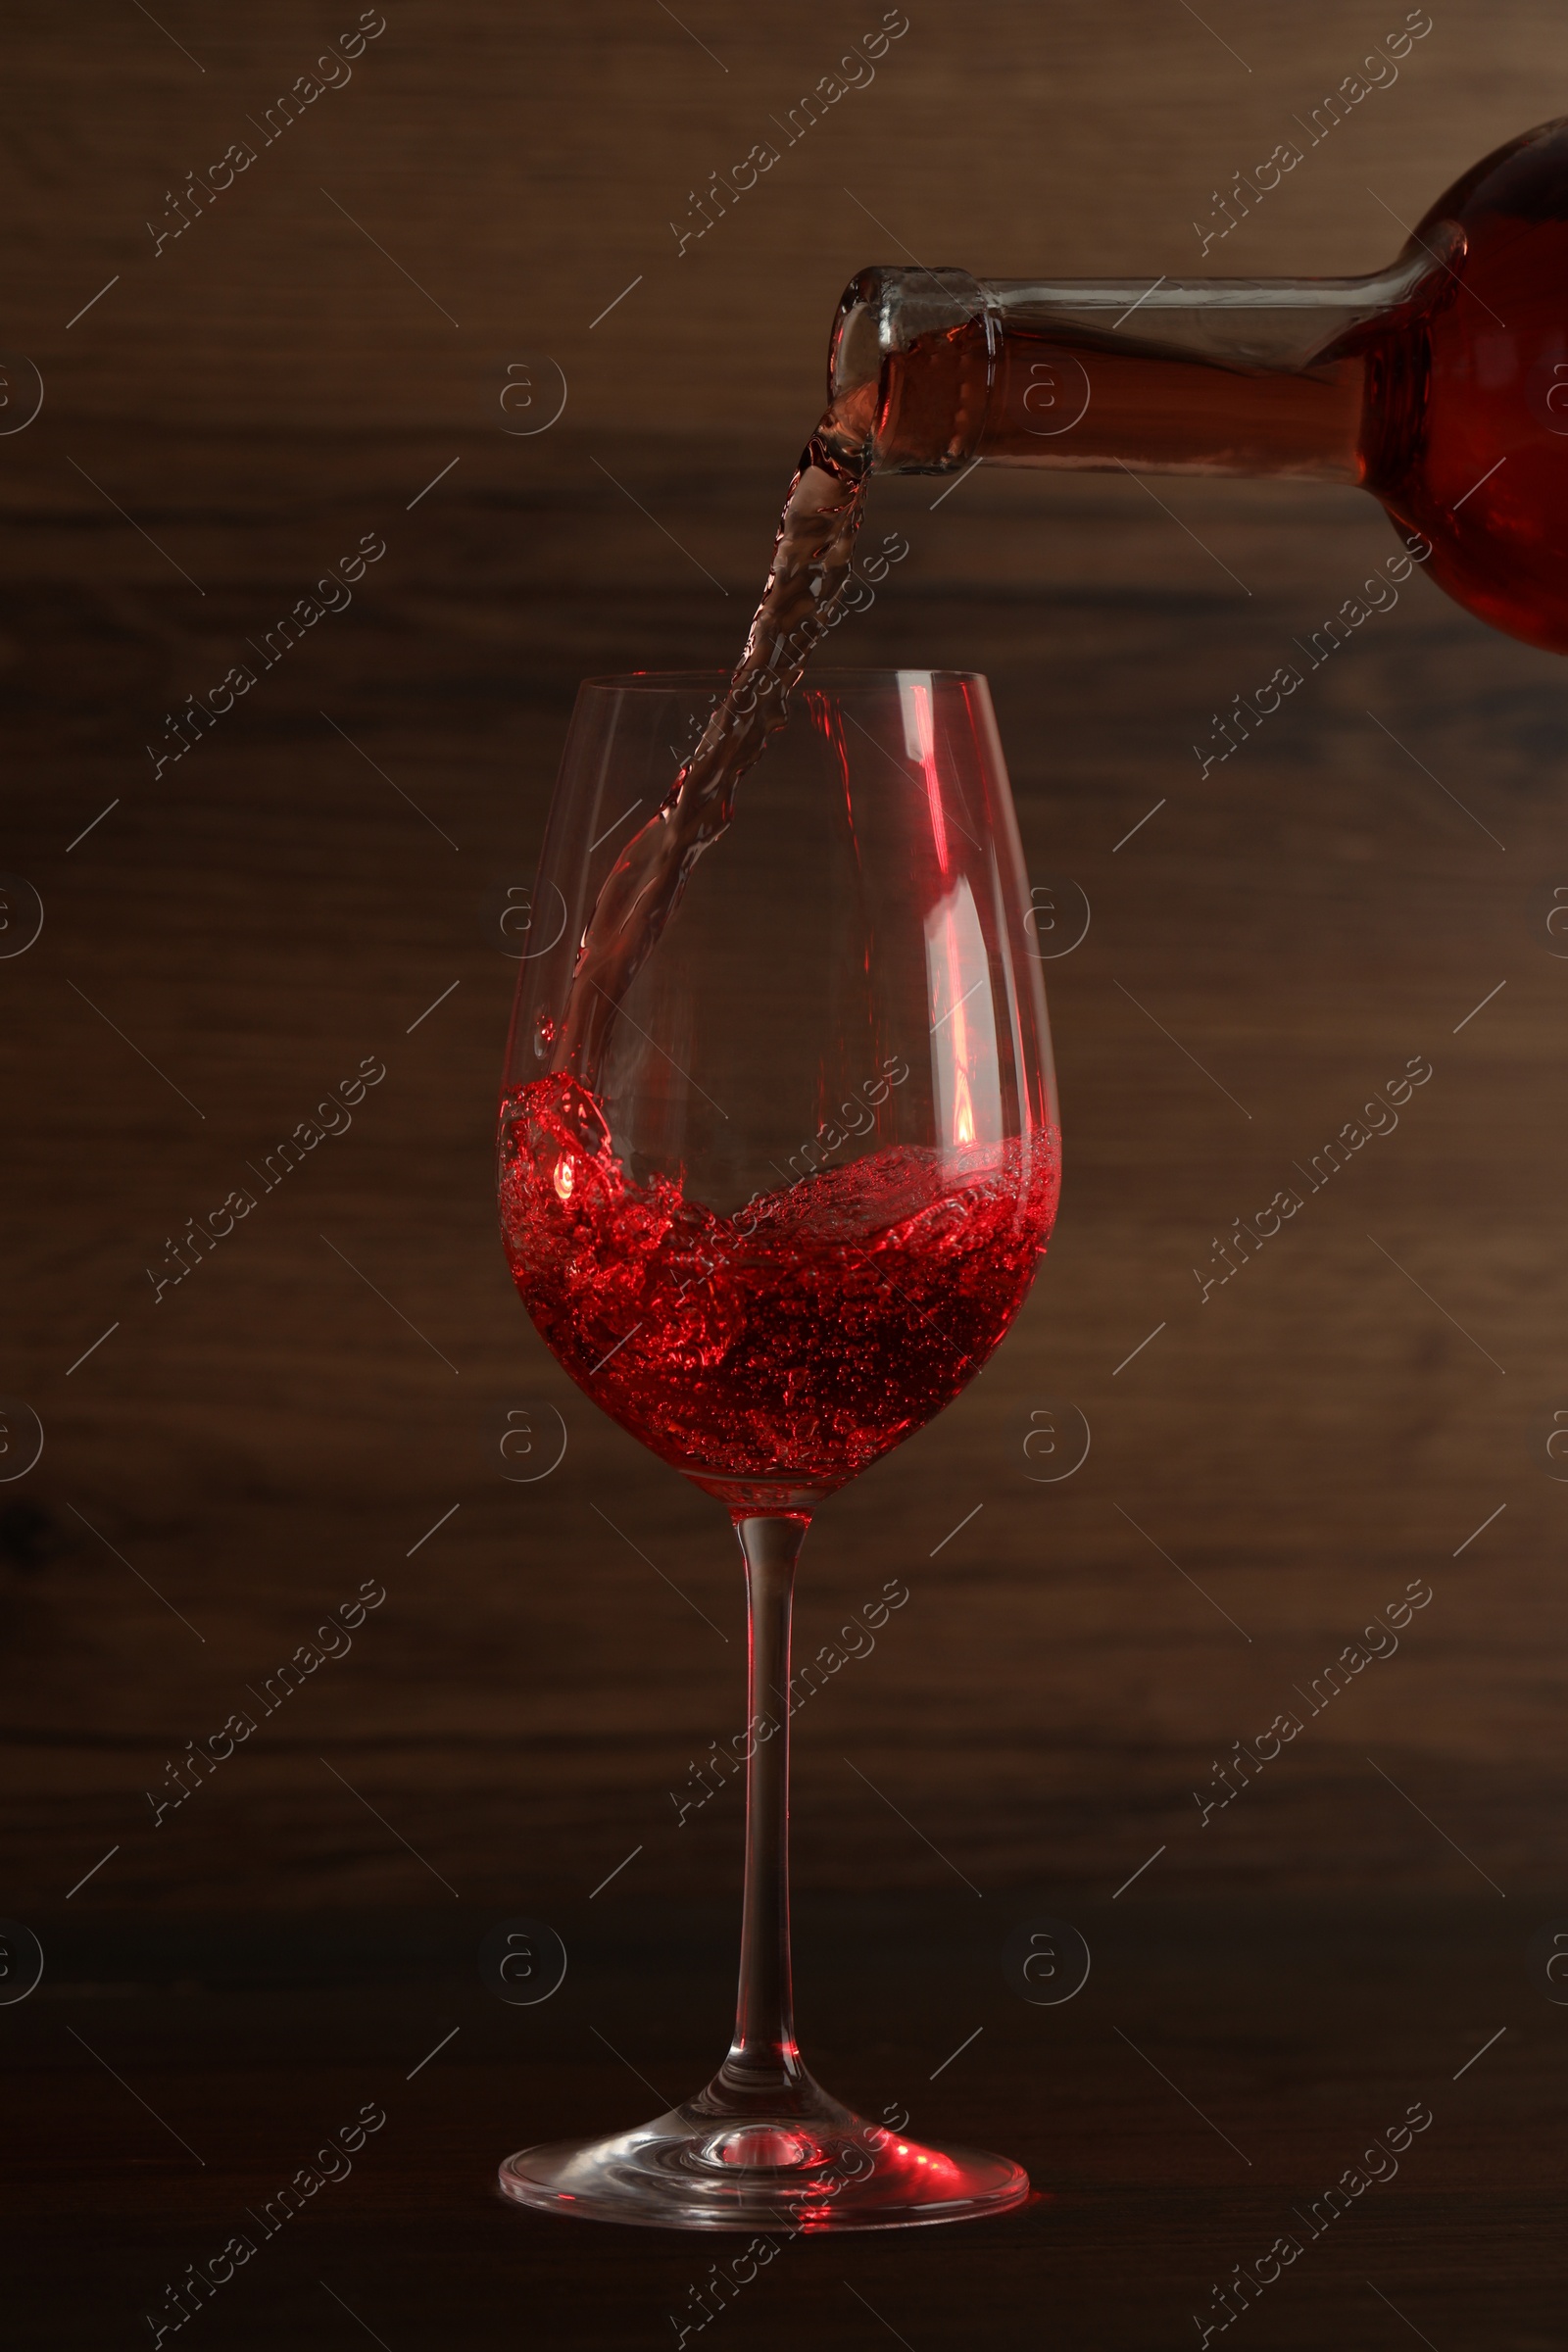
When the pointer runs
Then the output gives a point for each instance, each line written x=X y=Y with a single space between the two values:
x=1366 y=1406
x=1227 y=2061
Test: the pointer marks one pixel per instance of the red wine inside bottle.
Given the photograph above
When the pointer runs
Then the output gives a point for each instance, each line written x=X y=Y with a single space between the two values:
x=1465 y=425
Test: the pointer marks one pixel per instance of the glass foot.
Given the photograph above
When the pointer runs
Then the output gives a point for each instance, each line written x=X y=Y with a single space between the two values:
x=810 y=2166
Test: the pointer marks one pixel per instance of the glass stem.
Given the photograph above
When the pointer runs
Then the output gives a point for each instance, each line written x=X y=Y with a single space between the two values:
x=764 y=2060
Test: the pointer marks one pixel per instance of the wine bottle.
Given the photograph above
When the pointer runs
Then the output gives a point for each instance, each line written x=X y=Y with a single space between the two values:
x=1439 y=384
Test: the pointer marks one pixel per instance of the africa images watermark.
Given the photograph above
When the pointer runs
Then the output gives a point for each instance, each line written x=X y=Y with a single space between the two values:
x=1377 y=2164
x=183 y=2300
x=1378 y=1117
x=799 y=2206
x=1381 y=597
x=857 y=1639
x=1381 y=75
x=1377 y=1640
x=335 y=74
x=332 y=1117
x=858 y=1114
x=331 y=1641
x=184 y=729
x=853 y=596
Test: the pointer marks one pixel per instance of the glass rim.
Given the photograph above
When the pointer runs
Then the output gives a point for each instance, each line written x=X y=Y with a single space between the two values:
x=837 y=681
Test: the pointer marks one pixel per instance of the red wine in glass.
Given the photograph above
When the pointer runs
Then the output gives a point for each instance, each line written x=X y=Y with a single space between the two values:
x=811 y=1330
x=798 y=1207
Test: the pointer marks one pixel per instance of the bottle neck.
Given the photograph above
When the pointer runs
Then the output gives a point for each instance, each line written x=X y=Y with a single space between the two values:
x=932 y=370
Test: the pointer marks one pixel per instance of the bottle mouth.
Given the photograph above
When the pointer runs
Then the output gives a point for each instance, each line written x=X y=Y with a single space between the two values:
x=883 y=311
x=856 y=347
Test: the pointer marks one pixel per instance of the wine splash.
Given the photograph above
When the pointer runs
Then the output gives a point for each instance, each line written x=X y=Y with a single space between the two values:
x=775 y=1353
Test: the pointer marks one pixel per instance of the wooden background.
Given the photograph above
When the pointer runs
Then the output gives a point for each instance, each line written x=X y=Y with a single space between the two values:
x=231 y=937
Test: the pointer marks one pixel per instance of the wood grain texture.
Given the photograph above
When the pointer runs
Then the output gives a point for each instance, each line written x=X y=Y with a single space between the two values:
x=1267 y=949
x=1222 y=2066
x=1300 y=1445
x=319 y=356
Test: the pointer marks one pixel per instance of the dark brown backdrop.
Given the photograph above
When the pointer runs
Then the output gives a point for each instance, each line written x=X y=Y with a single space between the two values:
x=307 y=887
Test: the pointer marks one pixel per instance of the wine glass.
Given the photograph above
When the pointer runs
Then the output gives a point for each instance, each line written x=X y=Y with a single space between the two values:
x=783 y=1220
